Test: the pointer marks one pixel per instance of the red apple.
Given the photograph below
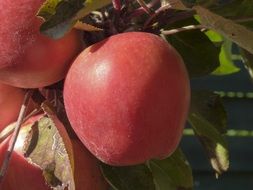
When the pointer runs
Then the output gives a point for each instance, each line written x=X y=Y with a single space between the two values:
x=11 y=99
x=127 y=98
x=23 y=175
x=29 y=59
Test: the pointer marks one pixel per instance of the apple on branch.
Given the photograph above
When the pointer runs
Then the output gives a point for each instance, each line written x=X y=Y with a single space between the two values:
x=127 y=98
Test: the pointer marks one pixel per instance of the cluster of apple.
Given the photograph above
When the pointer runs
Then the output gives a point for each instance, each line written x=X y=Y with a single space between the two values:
x=126 y=97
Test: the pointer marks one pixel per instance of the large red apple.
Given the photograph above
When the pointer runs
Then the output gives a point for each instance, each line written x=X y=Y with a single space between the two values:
x=22 y=175
x=11 y=99
x=127 y=98
x=29 y=59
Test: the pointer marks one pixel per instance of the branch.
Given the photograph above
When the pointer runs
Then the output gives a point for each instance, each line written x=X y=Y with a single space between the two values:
x=185 y=28
x=15 y=135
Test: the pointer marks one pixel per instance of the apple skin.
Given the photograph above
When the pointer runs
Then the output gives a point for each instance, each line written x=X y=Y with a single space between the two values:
x=87 y=171
x=127 y=98
x=27 y=176
x=11 y=99
x=29 y=59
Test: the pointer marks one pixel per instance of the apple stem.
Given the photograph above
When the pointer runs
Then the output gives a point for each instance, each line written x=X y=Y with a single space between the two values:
x=15 y=135
x=185 y=28
x=34 y=112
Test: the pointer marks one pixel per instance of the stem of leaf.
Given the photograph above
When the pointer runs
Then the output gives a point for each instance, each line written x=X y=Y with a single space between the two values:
x=15 y=135
x=140 y=11
x=145 y=7
x=185 y=28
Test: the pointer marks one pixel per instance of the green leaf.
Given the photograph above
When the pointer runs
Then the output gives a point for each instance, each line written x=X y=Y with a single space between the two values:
x=208 y=119
x=241 y=11
x=226 y=60
x=211 y=34
x=48 y=9
x=226 y=57
x=209 y=106
x=214 y=36
x=228 y=28
x=61 y=15
x=199 y=53
x=172 y=173
x=129 y=177
x=214 y=144
x=58 y=15
x=236 y=9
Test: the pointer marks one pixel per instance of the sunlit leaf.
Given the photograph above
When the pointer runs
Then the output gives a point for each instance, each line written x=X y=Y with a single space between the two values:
x=228 y=28
x=227 y=65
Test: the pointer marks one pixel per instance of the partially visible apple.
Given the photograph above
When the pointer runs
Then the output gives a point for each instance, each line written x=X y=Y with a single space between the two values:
x=127 y=98
x=11 y=99
x=22 y=175
x=29 y=59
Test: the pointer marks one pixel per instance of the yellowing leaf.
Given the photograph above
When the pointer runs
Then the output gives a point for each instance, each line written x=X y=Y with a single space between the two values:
x=86 y=27
x=48 y=147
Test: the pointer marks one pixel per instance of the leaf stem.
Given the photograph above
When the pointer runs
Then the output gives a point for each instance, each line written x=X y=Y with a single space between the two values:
x=140 y=11
x=13 y=139
x=145 y=7
x=185 y=28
